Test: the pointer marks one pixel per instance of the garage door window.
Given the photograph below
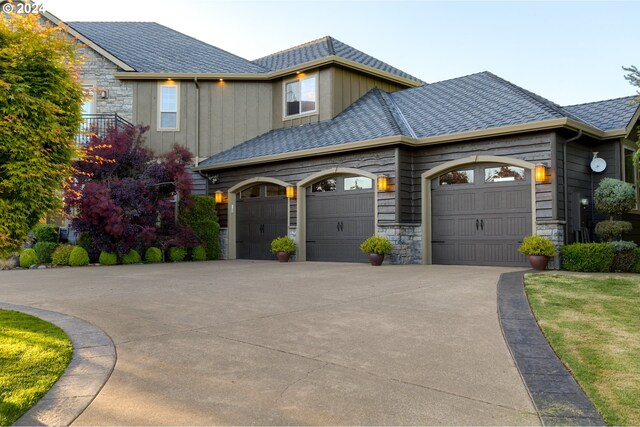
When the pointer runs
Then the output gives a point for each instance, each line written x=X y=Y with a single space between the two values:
x=275 y=190
x=250 y=192
x=457 y=177
x=357 y=183
x=324 y=186
x=503 y=174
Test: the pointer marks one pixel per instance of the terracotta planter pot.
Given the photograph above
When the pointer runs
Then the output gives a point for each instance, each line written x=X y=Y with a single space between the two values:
x=283 y=256
x=538 y=262
x=376 y=259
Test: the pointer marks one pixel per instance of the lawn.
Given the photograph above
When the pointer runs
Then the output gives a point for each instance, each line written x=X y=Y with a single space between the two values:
x=593 y=324
x=33 y=354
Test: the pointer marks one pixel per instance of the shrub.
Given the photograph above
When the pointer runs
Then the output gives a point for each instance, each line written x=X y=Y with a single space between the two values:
x=612 y=229
x=131 y=257
x=78 y=257
x=153 y=255
x=198 y=254
x=587 y=257
x=283 y=244
x=46 y=233
x=61 y=255
x=28 y=257
x=537 y=245
x=614 y=197
x=45 y=250
x=635 y=267
x=177 y=254
x=376 y=245
x=108 y=258
x=624 y=255
x=203 y=220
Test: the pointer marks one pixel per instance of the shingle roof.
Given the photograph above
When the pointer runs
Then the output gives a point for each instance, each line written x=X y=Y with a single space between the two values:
x=322 y=48
x=151 y=47
x=475 y=102
x=606 y=115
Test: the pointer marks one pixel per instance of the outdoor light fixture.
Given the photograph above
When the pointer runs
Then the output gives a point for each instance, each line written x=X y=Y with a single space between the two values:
x=383 y=183
x=541 y=173
x=219 y=196
x=291 y=192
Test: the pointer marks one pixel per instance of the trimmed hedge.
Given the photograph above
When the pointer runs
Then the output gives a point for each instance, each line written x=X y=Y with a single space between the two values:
x=635 y=267
x=177 y=254
x=46 y=233
x=45 y=250
x=153 y=255
x=108 y=258
x=78 y=257
x=131 y=257
x=203 y=220
x=587 y=257
x=61 y=255
x=28 y=257
x=198 y=254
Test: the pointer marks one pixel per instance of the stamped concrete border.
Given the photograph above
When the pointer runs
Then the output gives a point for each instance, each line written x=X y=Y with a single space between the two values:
x=93 y=360
x=557 y=397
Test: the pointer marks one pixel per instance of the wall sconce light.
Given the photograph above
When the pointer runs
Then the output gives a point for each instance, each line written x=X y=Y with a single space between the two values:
x=104 y=94
x=383 y=183
x=584 y=201
x=219 y=196
x=541 y=173
x=291 y=192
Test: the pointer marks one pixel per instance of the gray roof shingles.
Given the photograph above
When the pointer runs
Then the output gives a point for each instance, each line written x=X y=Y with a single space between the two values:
x=475 y=102
x=322 y=48
x=151 y=47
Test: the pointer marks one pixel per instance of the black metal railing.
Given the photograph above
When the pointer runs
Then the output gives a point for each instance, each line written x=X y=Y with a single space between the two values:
x=98 y=125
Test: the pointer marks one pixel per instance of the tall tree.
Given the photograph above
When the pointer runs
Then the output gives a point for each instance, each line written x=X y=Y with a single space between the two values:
x=40 y=99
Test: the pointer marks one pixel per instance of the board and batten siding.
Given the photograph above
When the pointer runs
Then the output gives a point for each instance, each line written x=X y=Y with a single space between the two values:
x=230 y=113
x=405 y=187
x=379 y=161
x=532 y=148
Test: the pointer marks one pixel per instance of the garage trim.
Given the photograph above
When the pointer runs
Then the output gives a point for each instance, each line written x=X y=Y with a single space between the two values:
x=301 y=250
x=231 y=195
x=428 y=176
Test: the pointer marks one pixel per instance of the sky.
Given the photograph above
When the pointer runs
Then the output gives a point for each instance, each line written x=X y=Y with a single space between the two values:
x=569 y=52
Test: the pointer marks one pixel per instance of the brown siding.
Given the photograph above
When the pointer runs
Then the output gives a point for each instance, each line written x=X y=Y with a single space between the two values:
x=381 y=161
x=324 y=98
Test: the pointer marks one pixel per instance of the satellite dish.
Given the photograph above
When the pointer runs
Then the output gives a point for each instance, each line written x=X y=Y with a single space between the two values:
x=597 y=164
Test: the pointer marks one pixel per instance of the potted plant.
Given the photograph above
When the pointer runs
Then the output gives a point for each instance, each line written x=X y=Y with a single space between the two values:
x=539 y=249
x=376 y=247
x=283 y=247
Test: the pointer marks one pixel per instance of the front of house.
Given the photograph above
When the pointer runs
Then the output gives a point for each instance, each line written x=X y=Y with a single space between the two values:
x=329 y=145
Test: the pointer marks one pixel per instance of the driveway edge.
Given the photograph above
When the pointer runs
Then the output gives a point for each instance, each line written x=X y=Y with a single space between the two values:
x=556 y=395
x=93 y=360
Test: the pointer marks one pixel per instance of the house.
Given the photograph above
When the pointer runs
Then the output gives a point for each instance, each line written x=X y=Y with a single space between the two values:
x=329 y=145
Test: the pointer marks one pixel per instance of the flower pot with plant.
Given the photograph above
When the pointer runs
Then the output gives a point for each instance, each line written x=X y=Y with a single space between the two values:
x=539 y=249
x=376 y=247
x=283 y=247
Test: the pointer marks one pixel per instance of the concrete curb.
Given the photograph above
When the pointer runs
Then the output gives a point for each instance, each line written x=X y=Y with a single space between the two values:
x=93 y=360
x=556 y=395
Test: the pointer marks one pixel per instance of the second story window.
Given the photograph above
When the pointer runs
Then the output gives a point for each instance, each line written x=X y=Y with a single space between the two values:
x=301 y=95
x=168 y=103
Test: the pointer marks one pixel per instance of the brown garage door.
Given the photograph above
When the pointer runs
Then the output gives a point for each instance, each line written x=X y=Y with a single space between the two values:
x=261 y=216
x=480 y=214
x=340 y=216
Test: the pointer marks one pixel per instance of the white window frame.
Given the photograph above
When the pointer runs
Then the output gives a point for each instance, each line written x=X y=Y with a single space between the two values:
x=89 y=90
x=300 y=78
x=630 y=146
x=159 y=106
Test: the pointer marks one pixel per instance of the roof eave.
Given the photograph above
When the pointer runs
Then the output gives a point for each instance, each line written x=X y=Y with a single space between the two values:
x=88 y=42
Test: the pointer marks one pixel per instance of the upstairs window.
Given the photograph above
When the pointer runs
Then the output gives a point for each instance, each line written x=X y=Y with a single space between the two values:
x=301 y=96
x=168 y=103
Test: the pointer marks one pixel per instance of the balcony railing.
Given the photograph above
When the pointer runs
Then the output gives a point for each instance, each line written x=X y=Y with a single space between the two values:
x=98 y=125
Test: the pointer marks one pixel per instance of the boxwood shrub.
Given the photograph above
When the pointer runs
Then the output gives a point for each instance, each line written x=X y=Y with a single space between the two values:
x=131 y=257
x=625 y=255
x=198 y=254
x=78 y=257
x=108 y=258
x=177 y=254
x=153 y=255
x=61 y=255
x=635 y=267
x=44 y=251
x=587 y=257
x=28 y=257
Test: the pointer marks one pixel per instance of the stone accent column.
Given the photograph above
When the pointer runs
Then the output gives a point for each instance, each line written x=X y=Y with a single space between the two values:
x=293 y=233
x=223 y=238
x=553 y=230
x=406 y=240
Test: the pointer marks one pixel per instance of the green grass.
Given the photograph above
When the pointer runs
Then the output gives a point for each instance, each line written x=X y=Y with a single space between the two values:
x=593 y=324
x=33 y=355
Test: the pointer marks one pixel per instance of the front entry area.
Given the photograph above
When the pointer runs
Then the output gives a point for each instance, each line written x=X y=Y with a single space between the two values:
x=340 y=216
x=480 y=213
x=261 y=217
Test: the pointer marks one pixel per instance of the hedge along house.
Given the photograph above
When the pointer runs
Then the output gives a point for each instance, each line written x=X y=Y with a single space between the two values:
x=328 y=125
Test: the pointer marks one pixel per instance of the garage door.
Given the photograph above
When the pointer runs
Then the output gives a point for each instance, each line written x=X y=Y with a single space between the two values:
x=480 y=214
x=261 y=216
x=340 y=216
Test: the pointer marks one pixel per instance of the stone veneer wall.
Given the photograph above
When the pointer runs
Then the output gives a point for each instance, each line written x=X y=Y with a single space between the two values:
x=223 y=238
x=553 y=230
x=406 y=239
x=98 y=70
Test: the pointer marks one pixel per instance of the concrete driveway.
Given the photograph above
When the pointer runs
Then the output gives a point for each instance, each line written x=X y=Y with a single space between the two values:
x=249 y=342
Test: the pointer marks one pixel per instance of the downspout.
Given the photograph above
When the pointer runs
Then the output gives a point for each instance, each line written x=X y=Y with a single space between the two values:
x=195 y=80
x=565 y=183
